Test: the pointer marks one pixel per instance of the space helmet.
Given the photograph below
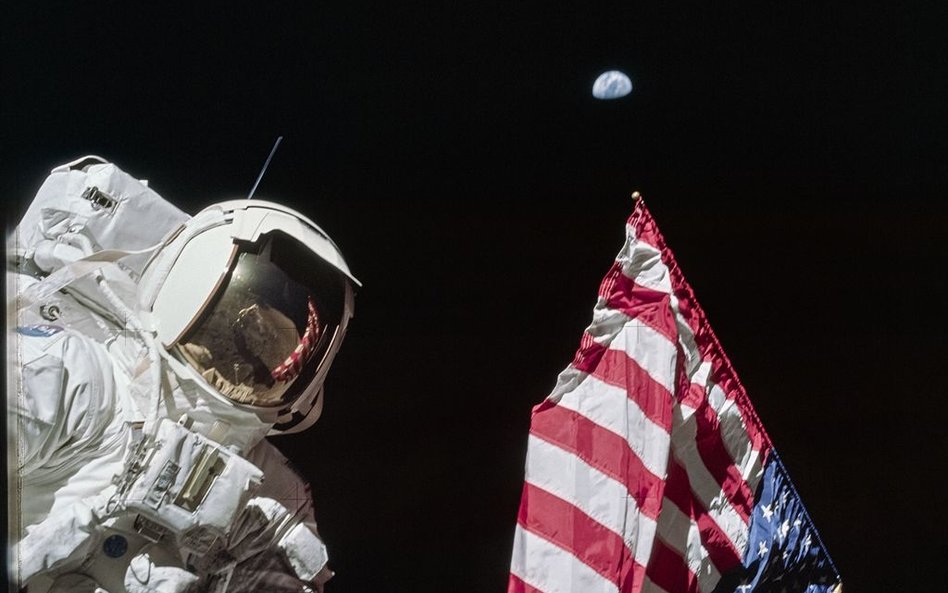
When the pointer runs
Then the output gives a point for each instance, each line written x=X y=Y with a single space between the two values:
x=252 y=299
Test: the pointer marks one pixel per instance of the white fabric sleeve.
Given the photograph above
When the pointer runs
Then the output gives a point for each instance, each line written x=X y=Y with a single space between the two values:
x=62 y=397
x=68 y=432
x=68 y=446
x=144 y=576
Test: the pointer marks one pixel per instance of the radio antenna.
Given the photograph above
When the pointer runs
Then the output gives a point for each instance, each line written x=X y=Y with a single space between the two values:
x=265 y=165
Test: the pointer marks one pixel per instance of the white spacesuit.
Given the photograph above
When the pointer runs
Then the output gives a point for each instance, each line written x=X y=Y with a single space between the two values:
x=149 y=353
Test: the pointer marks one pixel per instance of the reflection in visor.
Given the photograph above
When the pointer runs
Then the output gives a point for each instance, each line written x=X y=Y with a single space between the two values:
x=260 y=333
x=293 y=364
x=266 y=331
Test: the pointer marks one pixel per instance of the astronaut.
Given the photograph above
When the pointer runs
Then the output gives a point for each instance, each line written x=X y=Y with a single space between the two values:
x=149 y=354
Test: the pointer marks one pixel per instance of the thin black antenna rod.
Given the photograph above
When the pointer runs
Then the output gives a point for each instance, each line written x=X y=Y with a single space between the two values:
x=265 y=165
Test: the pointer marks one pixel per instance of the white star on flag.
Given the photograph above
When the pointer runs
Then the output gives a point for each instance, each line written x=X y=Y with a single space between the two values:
x=783 y=530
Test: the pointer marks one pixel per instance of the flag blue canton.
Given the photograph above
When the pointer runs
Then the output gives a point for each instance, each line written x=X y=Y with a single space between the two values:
x=784 y=552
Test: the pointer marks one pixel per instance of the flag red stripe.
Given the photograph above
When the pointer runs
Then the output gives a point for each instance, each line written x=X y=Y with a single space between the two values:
x=602 y=449
x=568 y=527
x=646 y=230
x=667 y=569
x=589 y=354
x=724 y=376
x=651 y=307
x=619 y=369
x=616 y=368
x=517 y=585
x=720 y=548
x=694 y=395
x=714 y=452
x=691 y=312
x=607 y=286
x=717 y=459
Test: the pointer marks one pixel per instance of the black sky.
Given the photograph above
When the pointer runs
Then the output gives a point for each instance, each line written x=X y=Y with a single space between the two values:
x=792 y=154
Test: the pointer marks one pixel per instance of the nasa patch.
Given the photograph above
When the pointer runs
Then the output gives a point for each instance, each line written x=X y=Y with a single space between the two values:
x=40 y=330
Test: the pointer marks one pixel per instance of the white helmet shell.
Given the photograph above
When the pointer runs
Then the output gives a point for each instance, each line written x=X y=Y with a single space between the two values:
x=196 y=269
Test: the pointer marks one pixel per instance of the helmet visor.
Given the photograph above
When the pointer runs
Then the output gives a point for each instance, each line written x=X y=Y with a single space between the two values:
x=263 y=336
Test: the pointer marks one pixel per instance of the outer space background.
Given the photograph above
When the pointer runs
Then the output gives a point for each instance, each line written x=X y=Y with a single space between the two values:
x=793 y=156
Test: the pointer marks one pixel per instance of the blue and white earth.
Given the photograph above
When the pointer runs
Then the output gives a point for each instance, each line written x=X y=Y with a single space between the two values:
x=612 y=85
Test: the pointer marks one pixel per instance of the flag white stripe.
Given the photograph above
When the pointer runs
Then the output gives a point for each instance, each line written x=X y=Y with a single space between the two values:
x=645 y=268
x=703 y=484
x=606 y=324
x=643 y=263
x=611 y=408
x=549 y=568
x=733 y=431
x=681 y=533
x=686 y=337
x=656 y=354
x=604 y=499
x=656 y=277
x=747 y=460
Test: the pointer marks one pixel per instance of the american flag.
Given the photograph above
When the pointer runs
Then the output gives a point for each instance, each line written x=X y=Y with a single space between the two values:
x=647 y=468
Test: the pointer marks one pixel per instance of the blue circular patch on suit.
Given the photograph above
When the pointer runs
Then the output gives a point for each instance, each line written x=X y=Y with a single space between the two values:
x=115 y=546
x=42 y=330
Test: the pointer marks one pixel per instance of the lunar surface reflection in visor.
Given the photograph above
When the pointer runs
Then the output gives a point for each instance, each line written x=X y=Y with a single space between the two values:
x=264 y=335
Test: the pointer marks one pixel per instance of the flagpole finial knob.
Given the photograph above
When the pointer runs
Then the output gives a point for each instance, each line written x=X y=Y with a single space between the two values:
x=636 y=195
